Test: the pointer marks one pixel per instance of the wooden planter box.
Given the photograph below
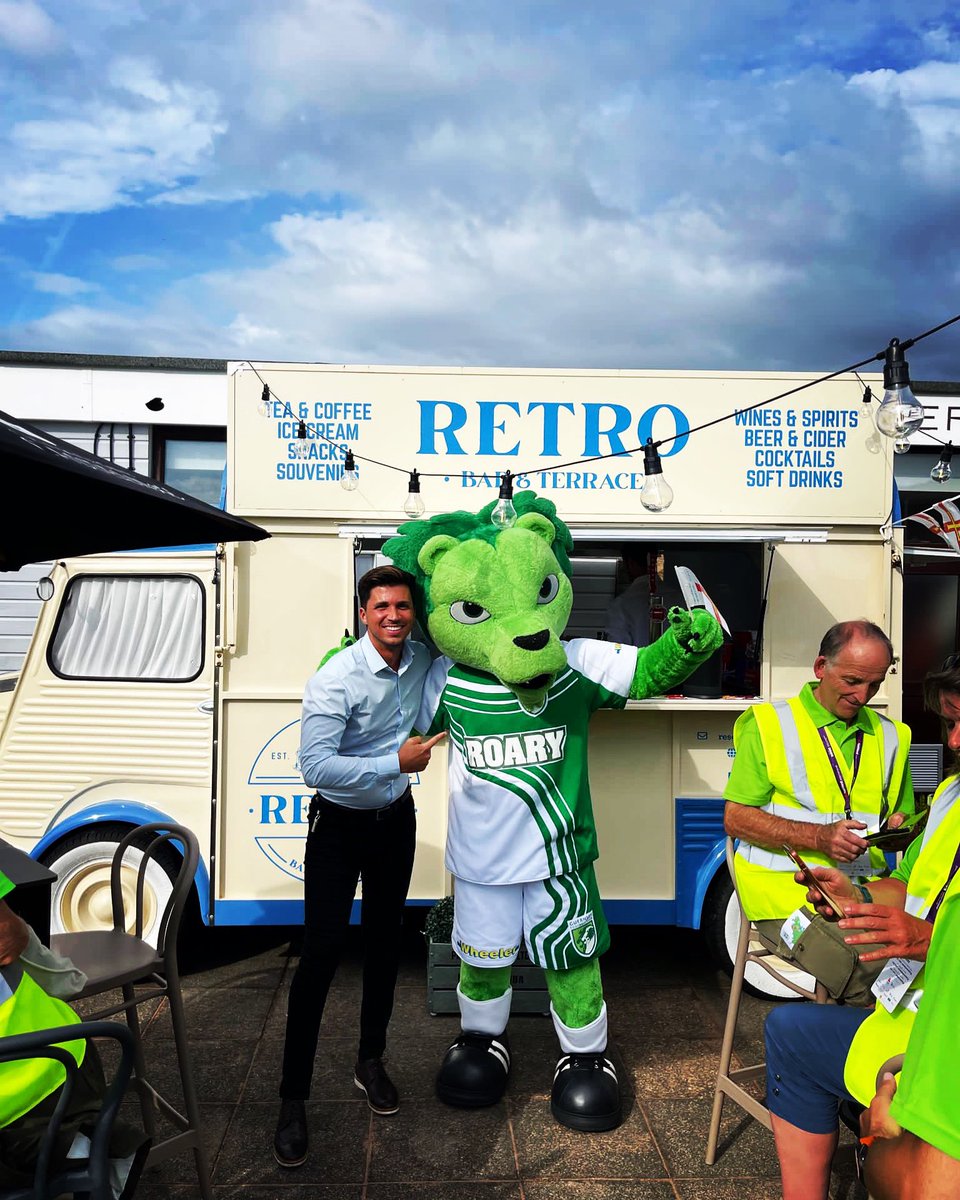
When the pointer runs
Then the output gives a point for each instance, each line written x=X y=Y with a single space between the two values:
x=443 y=973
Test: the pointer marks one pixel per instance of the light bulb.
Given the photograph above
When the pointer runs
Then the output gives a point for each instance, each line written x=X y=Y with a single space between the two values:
x=942 y=472
x=300 y=450
x=899 y=414
x=413 y=506
x=901 y=445
x=264 y=407
x=350 y=479
x=504 y=515
x=656 y=494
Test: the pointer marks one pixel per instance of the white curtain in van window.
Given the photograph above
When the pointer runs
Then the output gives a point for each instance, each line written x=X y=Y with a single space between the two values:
x=124 y=627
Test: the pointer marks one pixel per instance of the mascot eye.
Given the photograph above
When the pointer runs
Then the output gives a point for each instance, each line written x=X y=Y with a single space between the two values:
x=548 y=589
x=468 y=613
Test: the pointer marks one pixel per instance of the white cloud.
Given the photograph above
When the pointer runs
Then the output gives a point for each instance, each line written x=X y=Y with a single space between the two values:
x=111 y=149
x=126 y=264
x=930 y=96
x=26 y=29
x=60 y=285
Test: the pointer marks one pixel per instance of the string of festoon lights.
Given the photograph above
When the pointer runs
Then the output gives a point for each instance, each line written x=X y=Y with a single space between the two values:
x=898 y=416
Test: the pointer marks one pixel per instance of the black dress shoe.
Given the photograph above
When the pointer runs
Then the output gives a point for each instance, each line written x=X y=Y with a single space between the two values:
x=370 y=1077
x=290 y=1140
x=586 y=1093
x=474 y=1071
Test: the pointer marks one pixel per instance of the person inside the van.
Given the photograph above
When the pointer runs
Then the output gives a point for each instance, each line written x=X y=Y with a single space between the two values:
x=628 y=617
x=814 y=774
x=820 y=1055
x=356 y=750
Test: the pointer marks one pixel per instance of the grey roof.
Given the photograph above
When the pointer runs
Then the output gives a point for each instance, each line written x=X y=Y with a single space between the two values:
x=111 y=362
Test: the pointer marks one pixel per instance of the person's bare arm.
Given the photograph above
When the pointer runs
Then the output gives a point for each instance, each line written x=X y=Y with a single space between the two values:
x=899 y=1165
x=838 y=840
x=14 y=934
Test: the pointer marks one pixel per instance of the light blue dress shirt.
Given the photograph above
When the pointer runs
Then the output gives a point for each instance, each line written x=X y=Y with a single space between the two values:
x=357 y=713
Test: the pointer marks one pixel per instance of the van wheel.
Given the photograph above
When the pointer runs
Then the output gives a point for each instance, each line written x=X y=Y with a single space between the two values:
x=720 y=926
x=81 y=892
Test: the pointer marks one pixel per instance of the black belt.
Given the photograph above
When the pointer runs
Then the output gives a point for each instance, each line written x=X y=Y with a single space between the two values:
x=368 y=814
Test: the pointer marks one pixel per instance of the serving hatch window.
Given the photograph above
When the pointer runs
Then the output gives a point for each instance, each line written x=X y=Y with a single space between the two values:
x=622 y=591
x=130 y=627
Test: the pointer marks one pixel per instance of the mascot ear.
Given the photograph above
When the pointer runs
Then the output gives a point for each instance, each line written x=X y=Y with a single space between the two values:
x=538 y=524
x=432 y=551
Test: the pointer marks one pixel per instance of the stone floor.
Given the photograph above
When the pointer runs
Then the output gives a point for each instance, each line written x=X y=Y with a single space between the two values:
x=666 y=1012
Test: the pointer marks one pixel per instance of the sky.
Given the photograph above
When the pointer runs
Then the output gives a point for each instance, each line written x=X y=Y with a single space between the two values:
x=680 y=184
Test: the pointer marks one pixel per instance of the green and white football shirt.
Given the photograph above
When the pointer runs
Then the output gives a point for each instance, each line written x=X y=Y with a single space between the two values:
x=520 y=805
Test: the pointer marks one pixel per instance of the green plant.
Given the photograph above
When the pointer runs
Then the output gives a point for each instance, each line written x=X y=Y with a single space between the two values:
x=438 y=926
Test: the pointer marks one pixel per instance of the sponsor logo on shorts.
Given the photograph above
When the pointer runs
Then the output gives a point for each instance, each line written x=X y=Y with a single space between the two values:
x=583 y=934
x=515 y=749
x=473 y=952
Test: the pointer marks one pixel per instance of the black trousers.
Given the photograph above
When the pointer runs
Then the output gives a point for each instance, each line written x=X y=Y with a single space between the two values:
x=344 y=846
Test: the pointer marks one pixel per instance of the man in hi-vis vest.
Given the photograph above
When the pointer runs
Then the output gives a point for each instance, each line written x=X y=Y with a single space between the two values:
x=819 y=1055
x=815 y=773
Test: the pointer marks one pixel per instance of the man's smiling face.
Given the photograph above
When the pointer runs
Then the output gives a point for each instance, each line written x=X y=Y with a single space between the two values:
x=389 y=617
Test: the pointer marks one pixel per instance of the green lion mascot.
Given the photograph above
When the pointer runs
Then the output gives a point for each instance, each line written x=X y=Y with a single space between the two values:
x=515 y=701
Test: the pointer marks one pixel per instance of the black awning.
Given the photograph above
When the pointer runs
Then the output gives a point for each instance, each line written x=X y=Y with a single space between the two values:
x=57 y=501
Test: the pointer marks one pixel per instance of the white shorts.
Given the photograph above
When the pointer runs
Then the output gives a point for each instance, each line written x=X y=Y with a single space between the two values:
x=560 y=919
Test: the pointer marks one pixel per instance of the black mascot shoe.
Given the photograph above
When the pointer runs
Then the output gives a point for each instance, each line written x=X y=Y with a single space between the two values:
x=474 y=1071
x=290 y=1140
x=586 y=1094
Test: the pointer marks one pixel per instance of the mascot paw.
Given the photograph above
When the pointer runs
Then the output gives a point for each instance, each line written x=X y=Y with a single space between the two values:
x=474 y=1071
x=698 y=631
x=586 y=1093
x=345 y=641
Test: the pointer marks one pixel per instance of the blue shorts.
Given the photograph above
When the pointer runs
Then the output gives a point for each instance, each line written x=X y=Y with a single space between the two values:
x=807 y=1046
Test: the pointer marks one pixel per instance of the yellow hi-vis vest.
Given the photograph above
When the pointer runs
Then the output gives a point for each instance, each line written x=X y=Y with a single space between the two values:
x=25 y=1007
x=884 y=1034
x=805 y=789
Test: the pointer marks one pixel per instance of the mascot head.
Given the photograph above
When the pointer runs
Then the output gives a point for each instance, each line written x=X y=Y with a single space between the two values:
x=496 y=600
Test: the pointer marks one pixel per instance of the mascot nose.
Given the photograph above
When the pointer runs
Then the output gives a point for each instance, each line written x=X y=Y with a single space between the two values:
x=533 y=641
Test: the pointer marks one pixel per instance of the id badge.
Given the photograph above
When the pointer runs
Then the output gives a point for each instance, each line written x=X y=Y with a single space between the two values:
x=894 y=981
x=859 y=866
x=793 y=928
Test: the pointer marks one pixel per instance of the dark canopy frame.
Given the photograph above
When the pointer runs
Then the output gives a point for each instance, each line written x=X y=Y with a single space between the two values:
x=57 y=501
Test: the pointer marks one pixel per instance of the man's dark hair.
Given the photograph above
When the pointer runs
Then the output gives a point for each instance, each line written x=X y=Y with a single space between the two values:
x=840 y=635
x=383 y=577
x=936 y=683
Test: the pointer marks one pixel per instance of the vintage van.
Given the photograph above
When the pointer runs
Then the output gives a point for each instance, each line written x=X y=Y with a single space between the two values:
x=169 y=682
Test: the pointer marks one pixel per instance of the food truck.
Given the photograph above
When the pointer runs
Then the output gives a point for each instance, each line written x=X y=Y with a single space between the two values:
x=168 y=683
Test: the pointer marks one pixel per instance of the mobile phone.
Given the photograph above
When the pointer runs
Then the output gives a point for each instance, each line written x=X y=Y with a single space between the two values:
x=812 y=881
x=902 y=836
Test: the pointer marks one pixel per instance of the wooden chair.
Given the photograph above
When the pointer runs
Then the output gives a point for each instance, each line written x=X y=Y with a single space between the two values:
x=730 y=1082
x=114 y=958
x=89 y=1176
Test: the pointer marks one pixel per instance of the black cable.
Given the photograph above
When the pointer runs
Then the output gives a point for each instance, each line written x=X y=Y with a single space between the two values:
x=852 y=369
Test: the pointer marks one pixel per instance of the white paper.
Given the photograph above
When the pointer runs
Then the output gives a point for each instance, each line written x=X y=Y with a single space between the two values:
x=695 y=596
x=893 y=982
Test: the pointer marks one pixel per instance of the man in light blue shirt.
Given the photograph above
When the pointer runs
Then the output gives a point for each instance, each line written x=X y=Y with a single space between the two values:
x=356 y=750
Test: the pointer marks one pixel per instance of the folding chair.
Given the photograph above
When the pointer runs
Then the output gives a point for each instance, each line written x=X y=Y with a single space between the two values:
x=90 y=1176
x=730 y=1083
x=113 y=958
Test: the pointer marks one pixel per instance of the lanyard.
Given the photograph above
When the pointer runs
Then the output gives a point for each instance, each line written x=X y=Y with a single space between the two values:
x=838 y=771
x=941 y=895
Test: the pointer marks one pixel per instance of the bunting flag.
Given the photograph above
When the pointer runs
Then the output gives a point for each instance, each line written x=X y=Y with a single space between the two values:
x=943 y=520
